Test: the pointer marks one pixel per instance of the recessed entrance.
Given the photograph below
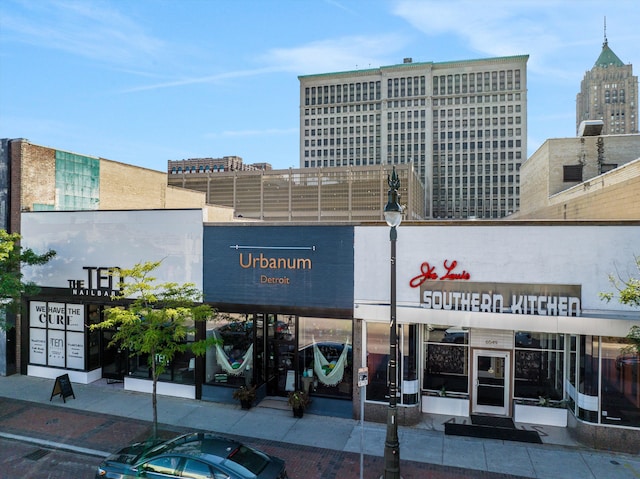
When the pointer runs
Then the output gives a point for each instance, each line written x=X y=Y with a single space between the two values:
x=281 y=366
x=491 y=373
x=114 y=359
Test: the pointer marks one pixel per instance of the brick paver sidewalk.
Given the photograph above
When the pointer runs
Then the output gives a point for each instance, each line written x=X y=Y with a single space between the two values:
x=107 y=433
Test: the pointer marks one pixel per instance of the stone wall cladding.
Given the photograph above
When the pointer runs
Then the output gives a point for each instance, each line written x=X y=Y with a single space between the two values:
x=608 y=438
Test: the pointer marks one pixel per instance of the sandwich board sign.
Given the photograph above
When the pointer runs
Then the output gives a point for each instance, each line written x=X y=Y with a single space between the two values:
x=62 y=387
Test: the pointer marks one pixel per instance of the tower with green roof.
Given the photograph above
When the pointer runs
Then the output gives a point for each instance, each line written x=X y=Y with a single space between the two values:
x=609 y=92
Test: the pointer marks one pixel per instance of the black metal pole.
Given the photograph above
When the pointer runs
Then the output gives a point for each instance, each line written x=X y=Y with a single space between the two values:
x=392 y=445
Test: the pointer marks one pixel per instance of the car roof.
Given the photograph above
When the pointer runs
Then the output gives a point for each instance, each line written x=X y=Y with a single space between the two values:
x=198 y=444
x=457 y=331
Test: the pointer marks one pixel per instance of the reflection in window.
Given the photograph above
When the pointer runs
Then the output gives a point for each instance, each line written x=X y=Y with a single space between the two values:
x=377 y=361
x=231 y=361
x=94 y=337
x=620 y=383
x=409 y=341
x=446 y=359
x=539 y=366
x=572 y=389
x=163 y=465
x=194 y=469
x=179 y=369
x=325 y=356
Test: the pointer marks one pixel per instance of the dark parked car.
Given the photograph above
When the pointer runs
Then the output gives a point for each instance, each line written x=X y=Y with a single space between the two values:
x=195 y=456
x=630 y=360
x=455 y=335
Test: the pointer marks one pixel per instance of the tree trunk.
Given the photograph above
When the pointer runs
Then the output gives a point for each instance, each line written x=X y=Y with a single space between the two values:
x=154 y=400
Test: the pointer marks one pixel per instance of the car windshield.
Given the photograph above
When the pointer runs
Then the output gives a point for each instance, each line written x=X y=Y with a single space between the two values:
x=165 y=446
x=249 y=458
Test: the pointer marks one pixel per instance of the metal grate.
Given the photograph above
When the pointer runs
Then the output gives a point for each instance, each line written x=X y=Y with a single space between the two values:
x=37 y=454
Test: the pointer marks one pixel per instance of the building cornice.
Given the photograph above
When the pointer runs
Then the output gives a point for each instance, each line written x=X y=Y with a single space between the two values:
x=417 y=66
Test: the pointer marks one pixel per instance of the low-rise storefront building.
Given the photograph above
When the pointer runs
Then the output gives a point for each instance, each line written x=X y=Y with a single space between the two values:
x=498 y=318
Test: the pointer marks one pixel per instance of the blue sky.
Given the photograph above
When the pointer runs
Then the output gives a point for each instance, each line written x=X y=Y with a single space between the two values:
x=147 y=81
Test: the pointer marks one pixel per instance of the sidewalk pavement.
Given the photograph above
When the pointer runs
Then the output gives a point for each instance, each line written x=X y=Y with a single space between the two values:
x=558 y=457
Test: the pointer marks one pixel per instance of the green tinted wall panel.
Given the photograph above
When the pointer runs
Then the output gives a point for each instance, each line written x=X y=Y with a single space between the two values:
x=43 y=207
x=77 y=181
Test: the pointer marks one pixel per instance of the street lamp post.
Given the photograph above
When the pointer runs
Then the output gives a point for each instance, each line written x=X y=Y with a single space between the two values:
x=393 y=217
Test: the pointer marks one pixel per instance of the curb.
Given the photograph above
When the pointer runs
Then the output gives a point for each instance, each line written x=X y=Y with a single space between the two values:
x=54 y=445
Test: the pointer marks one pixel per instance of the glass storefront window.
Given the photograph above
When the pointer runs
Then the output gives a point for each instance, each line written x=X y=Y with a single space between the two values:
x=94 y=337
x=446 y=353
x=529 y=340
x=57 y=334
x=325 y=356
x=588 y=378
x=231 y=361
x=572 y=389
x=178 y=369
x=378 y=361
x=539 y=366
x=620 y=383
x=283 y=352
x=589 y=365
x=409 y=341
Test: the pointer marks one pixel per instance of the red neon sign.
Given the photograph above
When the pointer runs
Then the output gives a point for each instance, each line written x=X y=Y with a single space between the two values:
x=429 y=272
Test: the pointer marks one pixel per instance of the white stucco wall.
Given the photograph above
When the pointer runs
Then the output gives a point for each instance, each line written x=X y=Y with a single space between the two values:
x=514 y=253
x=114 y=238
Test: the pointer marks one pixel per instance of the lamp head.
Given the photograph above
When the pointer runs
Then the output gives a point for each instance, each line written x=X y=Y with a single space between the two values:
x=393 y=209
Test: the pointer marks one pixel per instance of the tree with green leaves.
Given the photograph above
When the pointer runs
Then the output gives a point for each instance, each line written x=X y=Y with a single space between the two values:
x=157 y=321
x=12 y=258
x=629 y=294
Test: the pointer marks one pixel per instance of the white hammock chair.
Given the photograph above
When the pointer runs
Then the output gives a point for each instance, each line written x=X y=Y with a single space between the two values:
x=223 y=360
x=333 y=376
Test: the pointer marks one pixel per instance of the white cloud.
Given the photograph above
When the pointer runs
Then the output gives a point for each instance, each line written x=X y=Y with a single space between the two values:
x=337 y=54
x=249 y=133
x=345 y=53
x=88 y=29
x=201 y=79
x=549 y=31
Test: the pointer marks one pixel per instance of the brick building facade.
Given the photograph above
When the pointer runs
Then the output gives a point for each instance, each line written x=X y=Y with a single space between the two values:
x=40 y=178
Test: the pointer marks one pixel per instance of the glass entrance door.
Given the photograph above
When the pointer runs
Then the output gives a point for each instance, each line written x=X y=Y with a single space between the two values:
x=491 y=380
x=114 y=360
x=281 y=347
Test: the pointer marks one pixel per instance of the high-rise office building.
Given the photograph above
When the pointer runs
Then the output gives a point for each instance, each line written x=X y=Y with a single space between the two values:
x=462 y=124
x=609 y=92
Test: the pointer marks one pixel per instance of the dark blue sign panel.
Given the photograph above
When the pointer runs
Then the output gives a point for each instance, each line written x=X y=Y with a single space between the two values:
x=301 y=266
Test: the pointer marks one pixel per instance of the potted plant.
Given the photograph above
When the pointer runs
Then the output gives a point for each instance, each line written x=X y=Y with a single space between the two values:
x=246 y=395
x=298 y=400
